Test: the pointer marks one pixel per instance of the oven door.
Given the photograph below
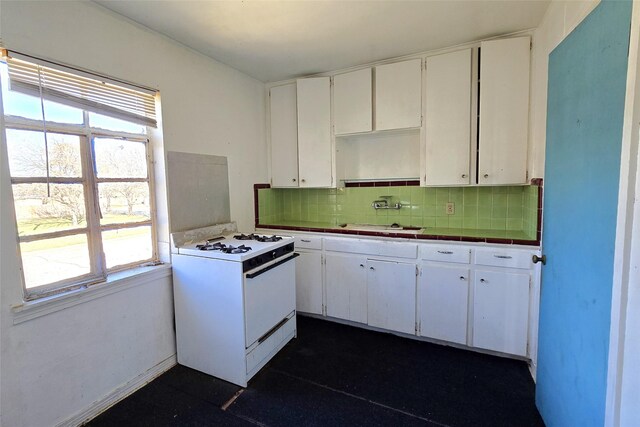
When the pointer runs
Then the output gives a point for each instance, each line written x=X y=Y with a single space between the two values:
x=269 y=297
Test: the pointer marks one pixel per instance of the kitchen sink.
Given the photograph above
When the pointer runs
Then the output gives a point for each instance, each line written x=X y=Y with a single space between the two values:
x=391 y=228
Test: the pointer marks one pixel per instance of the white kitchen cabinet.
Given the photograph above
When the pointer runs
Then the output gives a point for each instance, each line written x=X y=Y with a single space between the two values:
x=448 y=119
x=391 y=295
x=398 y=95
x=504 y=111
x=315 y=156
x=443 y=302
x=501 y=310
x=346 y=287
x=284 y=136
x=352 y=102
x=309 y=282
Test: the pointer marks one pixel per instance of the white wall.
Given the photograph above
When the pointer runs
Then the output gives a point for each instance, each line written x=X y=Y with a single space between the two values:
x=559 y=20
x=623 y=377
x=54 y=367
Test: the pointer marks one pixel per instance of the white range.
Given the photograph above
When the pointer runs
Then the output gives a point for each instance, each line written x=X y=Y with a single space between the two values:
x=234 y=302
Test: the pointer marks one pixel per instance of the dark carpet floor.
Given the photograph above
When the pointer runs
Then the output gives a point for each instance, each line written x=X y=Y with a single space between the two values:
x=337 y=375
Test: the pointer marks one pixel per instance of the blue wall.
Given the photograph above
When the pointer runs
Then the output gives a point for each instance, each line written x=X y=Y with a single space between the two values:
x=587 y=77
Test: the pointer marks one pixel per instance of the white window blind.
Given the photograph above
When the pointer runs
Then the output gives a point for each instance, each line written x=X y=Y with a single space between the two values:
x=81 y=89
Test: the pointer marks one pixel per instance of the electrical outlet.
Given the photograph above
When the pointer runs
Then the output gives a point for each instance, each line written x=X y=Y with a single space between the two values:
x=451 y=208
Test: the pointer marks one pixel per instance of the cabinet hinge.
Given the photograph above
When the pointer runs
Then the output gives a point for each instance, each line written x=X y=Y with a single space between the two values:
x=417 y=328
x=417 y=271
x=526 y=177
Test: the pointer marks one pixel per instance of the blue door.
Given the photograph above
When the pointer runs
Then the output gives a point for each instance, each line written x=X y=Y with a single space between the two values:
x=586 y=93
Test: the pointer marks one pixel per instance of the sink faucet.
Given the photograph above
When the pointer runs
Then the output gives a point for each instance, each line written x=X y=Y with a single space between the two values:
x=383 y=203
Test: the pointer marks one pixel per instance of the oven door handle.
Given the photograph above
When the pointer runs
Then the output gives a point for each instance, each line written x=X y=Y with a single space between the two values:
x=274 y=265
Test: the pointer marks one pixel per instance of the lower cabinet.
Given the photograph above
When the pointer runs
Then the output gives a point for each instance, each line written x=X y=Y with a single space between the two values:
x=309 y=282
x=391 y=295
x=346 y=287
x=443 y=302
x=476 y=296
x=501 y=310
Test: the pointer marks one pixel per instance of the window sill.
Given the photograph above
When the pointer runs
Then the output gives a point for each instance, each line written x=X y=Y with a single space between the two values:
x=115 y=282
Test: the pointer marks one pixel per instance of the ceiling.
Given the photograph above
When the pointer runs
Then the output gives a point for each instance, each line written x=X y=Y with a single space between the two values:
x=277 y=40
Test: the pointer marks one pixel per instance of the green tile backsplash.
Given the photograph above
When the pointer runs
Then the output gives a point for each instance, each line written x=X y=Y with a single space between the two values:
x=477 y=208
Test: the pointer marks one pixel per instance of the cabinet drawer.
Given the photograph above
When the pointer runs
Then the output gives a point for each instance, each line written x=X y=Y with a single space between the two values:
x=269 y=346
x=446 y=254
x=308 y=242
x=373 y=247
x=503 y=258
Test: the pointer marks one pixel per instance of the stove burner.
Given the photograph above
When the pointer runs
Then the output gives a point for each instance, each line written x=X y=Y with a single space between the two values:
x=244 y=236
x=236 y=250
x=257 y=237
x=227 y=249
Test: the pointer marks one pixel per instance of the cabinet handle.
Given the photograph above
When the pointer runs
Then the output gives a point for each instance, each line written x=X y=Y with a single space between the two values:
x=371 y=268
x=462 y=278
x=445 y=252
x=536 y=259
x=306 y=241
x=503 y=256
x=303 y=180
x=294 y=180
x=483 y=281
x=464 y=175
x=486 y=175
x=362 y=265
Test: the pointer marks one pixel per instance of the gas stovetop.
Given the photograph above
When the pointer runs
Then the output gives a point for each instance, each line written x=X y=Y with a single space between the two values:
x=227 y=249
x=235 y=247
x=257 y=237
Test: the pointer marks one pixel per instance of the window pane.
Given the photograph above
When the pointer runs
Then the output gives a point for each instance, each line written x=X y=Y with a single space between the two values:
x=127 y=245
x=18 y=104
x=27 y=154
x=124 y=202
x=51 y=260
x=54 y=112
x=36 y=213
x=109 y=123
x=117 y=158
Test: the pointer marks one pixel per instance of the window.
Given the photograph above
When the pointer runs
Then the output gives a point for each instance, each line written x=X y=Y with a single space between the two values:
x=81 y=181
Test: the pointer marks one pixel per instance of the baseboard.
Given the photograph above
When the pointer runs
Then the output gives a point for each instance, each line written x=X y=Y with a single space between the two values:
x=119 y=393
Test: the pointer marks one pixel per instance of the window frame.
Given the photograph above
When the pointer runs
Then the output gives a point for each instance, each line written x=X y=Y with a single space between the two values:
x=89 y=179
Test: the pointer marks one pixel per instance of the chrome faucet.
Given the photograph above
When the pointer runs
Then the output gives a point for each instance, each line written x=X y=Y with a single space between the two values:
x=383 y=203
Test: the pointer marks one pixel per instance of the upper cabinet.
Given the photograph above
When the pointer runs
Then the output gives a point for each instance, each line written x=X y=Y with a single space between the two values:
x=352 y=102
x=284 y=136
x=398 y=95
x=473 y=129
x=504 y=111
x=448 y=119
x=315 y=152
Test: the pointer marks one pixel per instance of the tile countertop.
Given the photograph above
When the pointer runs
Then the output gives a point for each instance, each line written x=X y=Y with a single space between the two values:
x=431 y=233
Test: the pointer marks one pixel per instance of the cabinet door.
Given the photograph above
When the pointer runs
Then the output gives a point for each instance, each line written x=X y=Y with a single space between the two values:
x=391 y=296
x=398 y=95
x=352 y=102
x=314 y=132
x=443 y=297
x=500 y=311
x=504 y=111
x=346 y=287
x=448 y=118
x=284 y=136
x=309 y=282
